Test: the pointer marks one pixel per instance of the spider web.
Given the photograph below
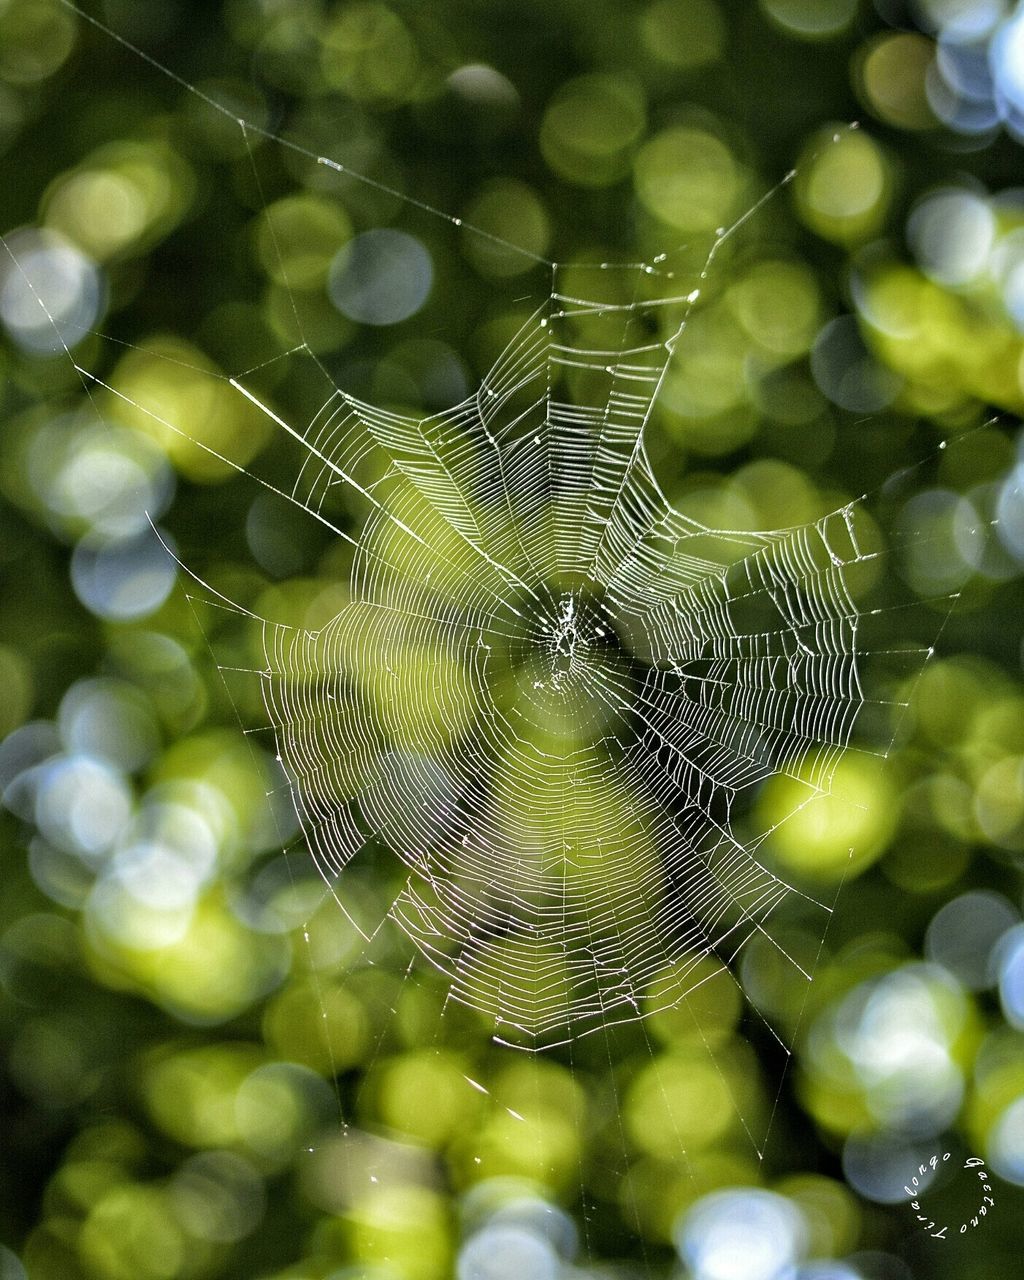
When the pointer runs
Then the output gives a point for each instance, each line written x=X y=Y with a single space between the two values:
x=551 y=698
x=550 y=691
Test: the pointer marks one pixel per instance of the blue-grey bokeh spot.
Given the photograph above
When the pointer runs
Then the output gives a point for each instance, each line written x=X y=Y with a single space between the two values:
x=51 y=293
x=122 y=579
x=381 y=277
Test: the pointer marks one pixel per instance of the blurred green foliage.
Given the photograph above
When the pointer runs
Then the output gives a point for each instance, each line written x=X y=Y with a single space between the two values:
x=202 y=1075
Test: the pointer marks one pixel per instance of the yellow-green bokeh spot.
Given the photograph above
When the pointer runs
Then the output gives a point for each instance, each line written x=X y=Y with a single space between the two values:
x=709 y=374
x=36 y=37
x=535 y=1129
x=828 y=835
x=403 y=1228
x=686 y=36
x=843 y=186
x=425 y=1095
x=169 y=390
x=191 y=1094
x=220 y=774
x=207 y=972
x=124 y=199
x=777 y=304
x=423 y=698
x=369 y=54
x=926 y=859
x=511 y=211
x=592 y=830
x=678 y=1102
x=811 y=19
x=778 y=493
x=132 y=1233
x=697 y=1005
x=318 y=1023
x=999 y=1084
x=275 y=1109
x=297 y=238
x=590 y=128
x=891 y=72
x=950 y=698
x=688 y=178
x=999 y=803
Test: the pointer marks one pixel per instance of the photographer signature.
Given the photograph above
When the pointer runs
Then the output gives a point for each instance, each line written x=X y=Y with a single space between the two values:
x=916 y=1192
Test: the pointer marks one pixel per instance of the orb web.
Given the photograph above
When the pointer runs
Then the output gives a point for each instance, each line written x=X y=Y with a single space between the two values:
x=551 y=696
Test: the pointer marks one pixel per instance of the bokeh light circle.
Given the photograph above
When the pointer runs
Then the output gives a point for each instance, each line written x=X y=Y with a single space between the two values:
x=963 y=932
x=505 y=1252
x=952 y=233
x=811 y=19
x=51 y=294
x=381 y=277
x=741 y=1234
x=122 y=579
